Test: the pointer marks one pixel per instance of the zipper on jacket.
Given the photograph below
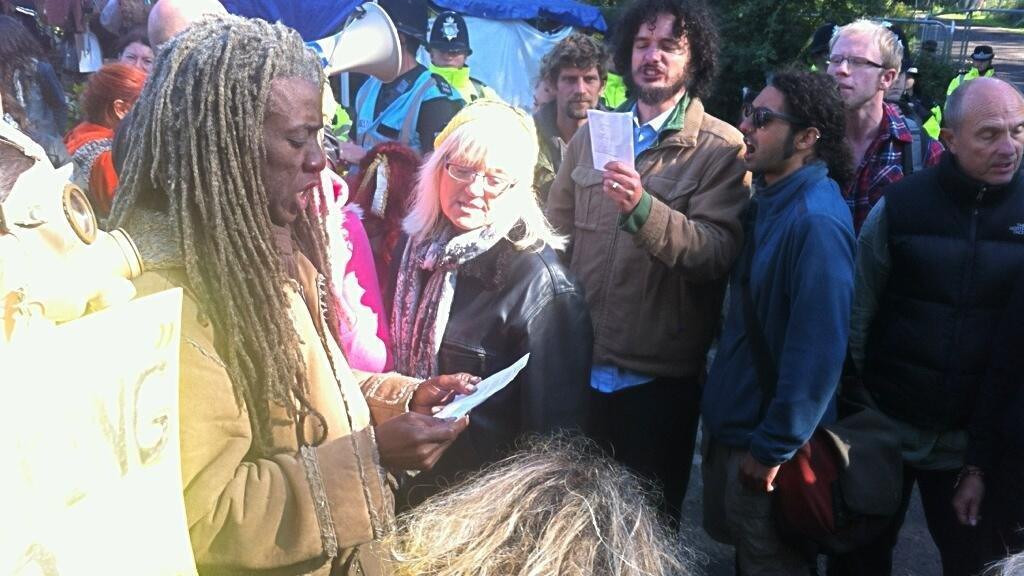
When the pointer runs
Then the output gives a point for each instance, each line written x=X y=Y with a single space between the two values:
x=965 y=282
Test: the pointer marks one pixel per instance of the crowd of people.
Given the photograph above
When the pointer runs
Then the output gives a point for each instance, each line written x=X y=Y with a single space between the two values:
x=750 y=279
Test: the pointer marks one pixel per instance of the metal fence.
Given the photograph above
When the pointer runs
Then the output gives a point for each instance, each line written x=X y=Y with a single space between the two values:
x=929 y=29
x=960 y=50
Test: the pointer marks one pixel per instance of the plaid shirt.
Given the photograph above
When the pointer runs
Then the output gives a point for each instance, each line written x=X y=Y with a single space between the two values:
x=883 y=164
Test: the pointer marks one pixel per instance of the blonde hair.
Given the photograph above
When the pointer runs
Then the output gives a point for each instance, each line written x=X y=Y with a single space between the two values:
x=557 y=508
x=496 y=135
x=888 y=43
x=1012 y=565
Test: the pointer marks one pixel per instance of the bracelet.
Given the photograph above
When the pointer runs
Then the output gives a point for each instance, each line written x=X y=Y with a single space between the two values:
x=969 y=471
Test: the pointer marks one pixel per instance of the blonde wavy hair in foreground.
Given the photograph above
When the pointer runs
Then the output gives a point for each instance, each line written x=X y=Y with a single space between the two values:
x=1010 y=566
x=498 y=136
x=557 y=508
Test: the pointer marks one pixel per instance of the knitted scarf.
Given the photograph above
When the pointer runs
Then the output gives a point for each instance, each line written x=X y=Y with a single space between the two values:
x=424 y=291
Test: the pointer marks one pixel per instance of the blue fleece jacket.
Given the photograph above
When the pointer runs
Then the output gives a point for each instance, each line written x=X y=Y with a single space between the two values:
x=802 y=286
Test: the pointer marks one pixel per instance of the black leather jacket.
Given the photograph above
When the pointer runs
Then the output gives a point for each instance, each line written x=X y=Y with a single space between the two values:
x=507 y=303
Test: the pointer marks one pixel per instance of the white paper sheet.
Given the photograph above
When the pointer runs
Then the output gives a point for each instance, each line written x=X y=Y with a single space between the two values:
x=488 y=387
x=611 y=137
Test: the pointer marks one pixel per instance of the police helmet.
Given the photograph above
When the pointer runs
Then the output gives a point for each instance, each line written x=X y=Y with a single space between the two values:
x=983 y=52
x=449 y=34
x=821 y=38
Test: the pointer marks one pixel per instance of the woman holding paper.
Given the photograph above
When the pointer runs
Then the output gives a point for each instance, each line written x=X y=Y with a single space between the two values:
x=479 y=286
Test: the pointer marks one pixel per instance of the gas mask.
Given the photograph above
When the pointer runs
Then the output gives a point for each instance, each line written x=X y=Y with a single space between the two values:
x=55 y=262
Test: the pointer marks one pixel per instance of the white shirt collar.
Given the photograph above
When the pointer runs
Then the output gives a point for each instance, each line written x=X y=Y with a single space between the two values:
x=657 y=122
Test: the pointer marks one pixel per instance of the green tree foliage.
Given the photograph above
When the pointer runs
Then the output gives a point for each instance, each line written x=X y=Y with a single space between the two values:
x=759 y=36
x=933 y=80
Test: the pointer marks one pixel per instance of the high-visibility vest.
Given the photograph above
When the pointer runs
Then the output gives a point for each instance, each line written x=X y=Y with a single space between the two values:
x=402 y=115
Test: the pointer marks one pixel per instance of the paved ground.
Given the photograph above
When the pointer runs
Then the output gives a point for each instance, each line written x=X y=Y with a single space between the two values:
x=915 y=555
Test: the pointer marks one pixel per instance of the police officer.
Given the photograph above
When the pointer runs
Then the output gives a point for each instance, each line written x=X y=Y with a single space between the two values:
x=818 y=48
x=449 y=48
x=981 y=60
x=413 y=108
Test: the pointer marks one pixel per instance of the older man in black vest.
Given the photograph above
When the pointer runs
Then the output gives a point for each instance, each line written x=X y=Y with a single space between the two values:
x=936 y=266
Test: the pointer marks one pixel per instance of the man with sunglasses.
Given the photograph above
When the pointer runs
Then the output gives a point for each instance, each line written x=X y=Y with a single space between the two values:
x=796 y=276
x=865 y=59
x=653 y=244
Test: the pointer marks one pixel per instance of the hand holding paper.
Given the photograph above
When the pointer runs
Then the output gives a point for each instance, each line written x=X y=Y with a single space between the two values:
x=462 y=404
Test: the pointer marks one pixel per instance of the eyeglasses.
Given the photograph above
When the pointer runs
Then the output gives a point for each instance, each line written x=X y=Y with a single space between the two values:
x=761 y=117
x=493 y=185
x=855 y=61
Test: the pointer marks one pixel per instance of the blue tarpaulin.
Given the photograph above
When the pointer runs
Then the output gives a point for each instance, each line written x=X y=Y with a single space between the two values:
x=315 y=19
x=567 y=12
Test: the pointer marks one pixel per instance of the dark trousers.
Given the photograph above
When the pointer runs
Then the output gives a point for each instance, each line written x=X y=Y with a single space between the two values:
x=651 y=428
x=962 y=548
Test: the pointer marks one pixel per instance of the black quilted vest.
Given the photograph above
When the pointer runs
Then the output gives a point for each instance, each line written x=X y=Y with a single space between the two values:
x=957 y=247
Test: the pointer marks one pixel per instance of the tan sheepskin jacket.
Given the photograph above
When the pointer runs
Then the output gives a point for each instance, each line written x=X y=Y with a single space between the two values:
x=280 y=509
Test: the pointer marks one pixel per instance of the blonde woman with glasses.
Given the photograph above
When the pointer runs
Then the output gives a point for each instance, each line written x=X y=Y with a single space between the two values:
x=479 y=285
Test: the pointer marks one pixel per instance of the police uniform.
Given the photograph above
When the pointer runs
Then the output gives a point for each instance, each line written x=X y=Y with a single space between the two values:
x=413 y=108
x=933 y=125
x=449 y=33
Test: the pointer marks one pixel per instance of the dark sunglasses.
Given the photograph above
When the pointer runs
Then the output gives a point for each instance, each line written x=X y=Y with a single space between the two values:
x=761 y=117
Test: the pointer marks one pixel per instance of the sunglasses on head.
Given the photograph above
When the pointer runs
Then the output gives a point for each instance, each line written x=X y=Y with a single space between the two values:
x=761 y=116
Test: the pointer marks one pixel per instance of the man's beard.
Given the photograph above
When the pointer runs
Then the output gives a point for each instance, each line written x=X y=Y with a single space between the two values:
x=577 y=113
x=656 y=95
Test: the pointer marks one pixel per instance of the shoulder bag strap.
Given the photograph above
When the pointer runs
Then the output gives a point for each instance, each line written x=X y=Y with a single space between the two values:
x=767 y=375
x=913 y=161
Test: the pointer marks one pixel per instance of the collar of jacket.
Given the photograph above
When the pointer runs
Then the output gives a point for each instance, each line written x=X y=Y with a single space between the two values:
x=963 y=188
x=159 y=243
x=683 y=123
x=491 y=267
x=773 y=198
x=895 y=126
x=156 y=235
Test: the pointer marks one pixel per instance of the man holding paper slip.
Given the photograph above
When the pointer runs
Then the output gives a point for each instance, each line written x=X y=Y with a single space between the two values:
x=652 y=244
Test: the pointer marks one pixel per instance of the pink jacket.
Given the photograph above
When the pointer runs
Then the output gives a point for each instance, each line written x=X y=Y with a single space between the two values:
x=362 y=325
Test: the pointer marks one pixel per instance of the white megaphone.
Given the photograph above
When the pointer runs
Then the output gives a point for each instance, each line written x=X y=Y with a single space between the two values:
x=368 y=43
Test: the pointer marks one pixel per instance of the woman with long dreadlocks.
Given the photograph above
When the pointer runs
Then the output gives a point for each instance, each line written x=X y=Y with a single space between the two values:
x=284 y=450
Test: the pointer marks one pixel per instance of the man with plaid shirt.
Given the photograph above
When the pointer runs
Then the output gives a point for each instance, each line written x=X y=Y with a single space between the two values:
x=865 y=59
